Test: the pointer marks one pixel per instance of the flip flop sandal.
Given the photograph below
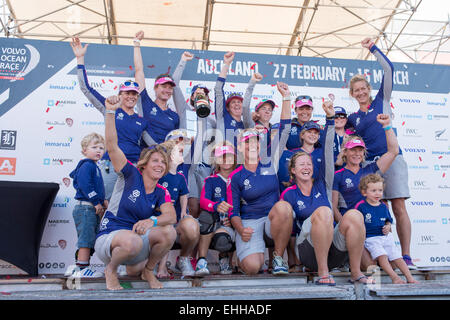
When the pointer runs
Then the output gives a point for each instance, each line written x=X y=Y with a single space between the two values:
x=367 y=280
x=326 y=281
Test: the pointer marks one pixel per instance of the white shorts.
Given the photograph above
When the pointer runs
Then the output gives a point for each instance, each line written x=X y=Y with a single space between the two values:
x=256 y=243
x=103 y=248
x=383 y=246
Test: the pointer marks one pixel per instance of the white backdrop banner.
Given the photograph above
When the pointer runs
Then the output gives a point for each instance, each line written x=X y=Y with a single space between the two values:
x=44 y=115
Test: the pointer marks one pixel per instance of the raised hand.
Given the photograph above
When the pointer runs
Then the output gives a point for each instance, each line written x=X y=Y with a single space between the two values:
x=228 y=57
x=113 y=102
x=187 y=56
x=78 y=48
x=328 y=108
x=257 y=77
x=384 y=119
x=367 y=43
x=139 y=35
x=283 y=88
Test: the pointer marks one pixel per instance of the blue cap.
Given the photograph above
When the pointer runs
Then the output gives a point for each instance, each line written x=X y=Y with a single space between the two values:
x=311 y=125
x=200 y=85
x=339 y=110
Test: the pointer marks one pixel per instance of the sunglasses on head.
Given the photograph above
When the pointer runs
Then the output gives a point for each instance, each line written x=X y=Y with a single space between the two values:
x=130 y=83
x=303 y=98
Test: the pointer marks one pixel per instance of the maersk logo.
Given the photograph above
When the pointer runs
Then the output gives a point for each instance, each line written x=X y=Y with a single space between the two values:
x=60 y=103
x=444 y=167
x=422 y=203
x=415 y=150
x=437 y=116
x=406 y=100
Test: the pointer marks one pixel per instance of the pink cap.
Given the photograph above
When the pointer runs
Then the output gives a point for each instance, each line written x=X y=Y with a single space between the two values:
x=221 y=150
x=249 y=134
x=303 y=102
x=355 y=143
x=165 y=80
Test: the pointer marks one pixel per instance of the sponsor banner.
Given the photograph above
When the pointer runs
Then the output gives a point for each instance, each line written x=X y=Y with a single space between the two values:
x=44 y=115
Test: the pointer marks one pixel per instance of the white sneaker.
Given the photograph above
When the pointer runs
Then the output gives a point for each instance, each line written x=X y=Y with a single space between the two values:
x=224 y=265
x=202 y=268
x=70 y=270
x=87 y=273
x=184 y=265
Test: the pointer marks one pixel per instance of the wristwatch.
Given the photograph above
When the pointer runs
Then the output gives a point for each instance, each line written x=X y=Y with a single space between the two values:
x=155 y=220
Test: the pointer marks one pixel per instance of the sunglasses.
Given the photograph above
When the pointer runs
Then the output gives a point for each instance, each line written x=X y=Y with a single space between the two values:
x=340 y=116
x=303 y=98
x=130 y=83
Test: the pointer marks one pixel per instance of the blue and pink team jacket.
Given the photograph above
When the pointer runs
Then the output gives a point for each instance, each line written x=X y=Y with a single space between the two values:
x=365 y=124
x=162 y=121
x=129 y=129
x=252 y=194
x=346 y=183
x=214 y=191
x=130 y=203
x=176 y=184
x=375 y=217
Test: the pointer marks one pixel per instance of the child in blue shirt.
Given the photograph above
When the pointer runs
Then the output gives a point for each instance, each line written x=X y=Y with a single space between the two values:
x=379 y=239
x=90 y=193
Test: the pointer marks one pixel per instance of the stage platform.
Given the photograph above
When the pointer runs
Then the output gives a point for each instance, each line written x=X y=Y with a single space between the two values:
x=434 y=284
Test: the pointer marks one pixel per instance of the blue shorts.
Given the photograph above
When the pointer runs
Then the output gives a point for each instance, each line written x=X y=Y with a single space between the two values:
x=86 y=223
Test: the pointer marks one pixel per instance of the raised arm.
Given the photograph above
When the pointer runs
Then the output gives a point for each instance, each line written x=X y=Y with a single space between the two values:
x=178 y=98
x=246 y=112
x=385 y=90
x=218 y=89
x=279 y=141
x=328 y=153
x=97 y=100
x=139 y=75
x=116 y=155
x=392 y=143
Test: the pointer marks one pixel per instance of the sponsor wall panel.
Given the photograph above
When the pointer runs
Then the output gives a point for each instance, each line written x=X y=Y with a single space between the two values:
x=44 y=115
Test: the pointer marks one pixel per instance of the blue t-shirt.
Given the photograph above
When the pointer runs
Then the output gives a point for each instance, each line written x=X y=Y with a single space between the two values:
x=129 y=128
x=88 y=182
x=177 y=186
x=365 y=124
x=130 y=203
x=252 y=194
x=347 y=182
x=162 y=121
x=375 y=217
x=214 y=191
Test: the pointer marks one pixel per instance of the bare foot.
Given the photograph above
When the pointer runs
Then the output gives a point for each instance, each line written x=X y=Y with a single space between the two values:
x=148 y=275
x=412 y=280
x=112 y=280
x=163 y=273
x=398 y=280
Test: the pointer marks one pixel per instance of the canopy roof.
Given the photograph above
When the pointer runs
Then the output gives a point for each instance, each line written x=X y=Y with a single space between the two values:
x=407 y=30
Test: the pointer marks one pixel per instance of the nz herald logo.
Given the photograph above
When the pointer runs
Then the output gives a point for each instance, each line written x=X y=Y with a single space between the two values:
x=134 y=195
x=8 y=139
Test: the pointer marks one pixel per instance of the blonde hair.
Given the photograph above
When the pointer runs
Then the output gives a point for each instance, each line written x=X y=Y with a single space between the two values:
x=291 y=166
x=357 y=78
x=147 y=153
x=214 y=164
x=370 y=178
x=169 y=146
x=92 y=137
x=345 y=140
